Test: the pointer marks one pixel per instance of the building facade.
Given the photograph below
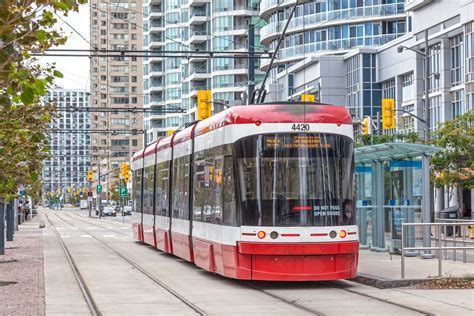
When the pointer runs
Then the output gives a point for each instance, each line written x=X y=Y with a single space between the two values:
x=116 y=85
x=322 y=27
x=195 y=25
x=69 y=143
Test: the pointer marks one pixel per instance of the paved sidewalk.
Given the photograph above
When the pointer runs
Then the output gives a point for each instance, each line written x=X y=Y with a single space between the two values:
x=21 y=272
x=381 y=266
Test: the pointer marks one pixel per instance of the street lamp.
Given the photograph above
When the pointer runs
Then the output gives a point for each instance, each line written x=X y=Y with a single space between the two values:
x=426 y=203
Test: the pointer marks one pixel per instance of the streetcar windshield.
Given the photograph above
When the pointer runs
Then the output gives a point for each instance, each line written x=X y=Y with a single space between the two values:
x=296 y=180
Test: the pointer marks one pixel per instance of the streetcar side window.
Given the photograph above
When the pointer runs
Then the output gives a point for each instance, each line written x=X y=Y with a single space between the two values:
x=198 y=186
x=137 y=190
x=162 y=188
x=148 y=190
x=180 y=188
x=229 y=209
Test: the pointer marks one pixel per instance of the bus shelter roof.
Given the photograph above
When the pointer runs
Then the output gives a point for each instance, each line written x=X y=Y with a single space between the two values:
x=392 y=151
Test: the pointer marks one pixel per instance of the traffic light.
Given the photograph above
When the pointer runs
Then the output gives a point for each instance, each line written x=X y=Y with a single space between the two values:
x=365 y=125
x=204 y=104
x=307 y=97
x=89 y=175
x=68 y=189
x=126 y=177
x=123 y=169
x=388 y=113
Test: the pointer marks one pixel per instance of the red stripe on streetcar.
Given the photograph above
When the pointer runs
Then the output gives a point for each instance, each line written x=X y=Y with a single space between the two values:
x=319 y=234
x=290 y=235
x=302 y=208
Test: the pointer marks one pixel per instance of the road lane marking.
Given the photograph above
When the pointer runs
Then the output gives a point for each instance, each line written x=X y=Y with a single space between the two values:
x=108 y=236
x=65 y=236
x=86 y=236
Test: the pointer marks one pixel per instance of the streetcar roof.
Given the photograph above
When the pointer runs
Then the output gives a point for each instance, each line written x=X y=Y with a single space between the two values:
x=277 y=112
x=138 y=155
x=150 y=149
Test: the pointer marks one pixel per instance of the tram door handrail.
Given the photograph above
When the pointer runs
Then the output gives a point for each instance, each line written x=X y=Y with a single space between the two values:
x=439 y=245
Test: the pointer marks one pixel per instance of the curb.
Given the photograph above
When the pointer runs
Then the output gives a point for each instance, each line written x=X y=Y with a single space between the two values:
x=383 y=283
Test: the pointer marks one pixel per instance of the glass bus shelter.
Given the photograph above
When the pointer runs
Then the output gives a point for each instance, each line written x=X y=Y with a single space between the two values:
x=389 y=192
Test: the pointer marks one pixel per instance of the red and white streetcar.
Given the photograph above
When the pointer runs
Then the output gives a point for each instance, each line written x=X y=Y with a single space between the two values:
x=260 y=192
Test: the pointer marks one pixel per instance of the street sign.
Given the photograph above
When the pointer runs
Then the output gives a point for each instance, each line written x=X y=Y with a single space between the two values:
x=99 y=188
x=123 y=192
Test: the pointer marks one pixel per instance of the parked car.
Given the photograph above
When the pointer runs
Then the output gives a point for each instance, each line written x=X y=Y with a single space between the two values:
x=109 y=211
x=127 y=210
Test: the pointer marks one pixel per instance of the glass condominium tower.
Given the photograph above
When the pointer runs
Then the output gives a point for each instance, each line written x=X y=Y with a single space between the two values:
x=195 y=25
x=322 y=27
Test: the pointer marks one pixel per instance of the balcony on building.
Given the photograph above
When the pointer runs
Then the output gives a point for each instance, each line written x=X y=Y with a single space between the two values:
x=198 y=15
x=198 y=35
x=156 y=41
x=156 y=70
x=156 y=11
x=156 y=27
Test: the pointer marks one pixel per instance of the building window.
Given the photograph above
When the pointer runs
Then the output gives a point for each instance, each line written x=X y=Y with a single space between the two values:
x=435 y=111
x=457 y=102
x=457 y=59
x=407 y=79
x=388 y=88
x=434 y=57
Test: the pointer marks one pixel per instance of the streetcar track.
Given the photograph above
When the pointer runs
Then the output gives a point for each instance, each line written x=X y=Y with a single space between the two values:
x=414 y=309
x=86 y=293
x=97 y=225
x=280 y=298
x=287 y=301
x=142 y=270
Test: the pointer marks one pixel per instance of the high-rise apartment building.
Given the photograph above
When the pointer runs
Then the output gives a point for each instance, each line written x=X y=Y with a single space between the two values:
x=116 y=83
x=70 y=142
x=195 y=25
x=323 y=28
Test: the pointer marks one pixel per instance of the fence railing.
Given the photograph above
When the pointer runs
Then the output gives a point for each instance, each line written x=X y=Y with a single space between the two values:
x=439 y=241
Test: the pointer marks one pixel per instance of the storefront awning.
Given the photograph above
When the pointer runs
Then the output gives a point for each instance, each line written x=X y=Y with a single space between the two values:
x=391 y=151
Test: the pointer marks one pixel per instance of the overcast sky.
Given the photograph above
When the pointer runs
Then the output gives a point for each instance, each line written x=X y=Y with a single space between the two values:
x=74 y=69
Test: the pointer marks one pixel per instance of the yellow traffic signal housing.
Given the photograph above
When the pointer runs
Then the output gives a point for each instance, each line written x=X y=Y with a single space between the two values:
x=204 y=104
x=388 y=113
x=123 y=169
x=126 y=177
x=89 y=175
x=365 y=124
x=170 y=132
x=307 y=97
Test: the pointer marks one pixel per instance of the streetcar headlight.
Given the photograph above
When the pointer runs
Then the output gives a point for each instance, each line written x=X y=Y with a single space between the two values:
x=274 y=235
x=261 y=234
x=333 y=234
x=342 y=234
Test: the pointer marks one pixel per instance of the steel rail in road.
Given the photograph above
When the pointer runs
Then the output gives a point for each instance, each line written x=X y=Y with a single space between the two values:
x=141 y=269
x=281 y=298
x=413 y=309
x=89 y=299
x=278 y=297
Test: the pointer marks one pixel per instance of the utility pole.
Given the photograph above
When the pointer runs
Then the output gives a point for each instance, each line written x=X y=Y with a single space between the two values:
x=425 y=174
x=426 y=213
x=251 y=63
x=2 y=228
x=10 y=221
x=99 y=196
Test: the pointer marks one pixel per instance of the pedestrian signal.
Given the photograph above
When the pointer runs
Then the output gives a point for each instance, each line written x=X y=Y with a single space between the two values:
x=388 y=113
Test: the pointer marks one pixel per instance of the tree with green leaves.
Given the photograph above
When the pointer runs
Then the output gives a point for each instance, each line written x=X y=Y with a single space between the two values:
x=26 y=27
x=453 y=166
